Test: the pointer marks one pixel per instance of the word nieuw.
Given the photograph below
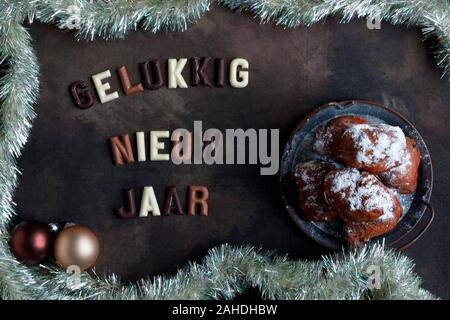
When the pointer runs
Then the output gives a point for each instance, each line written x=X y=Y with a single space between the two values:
x=202 y=147
x=152 y=79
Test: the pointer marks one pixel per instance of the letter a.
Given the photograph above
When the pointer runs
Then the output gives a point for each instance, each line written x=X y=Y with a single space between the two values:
x=149 y=203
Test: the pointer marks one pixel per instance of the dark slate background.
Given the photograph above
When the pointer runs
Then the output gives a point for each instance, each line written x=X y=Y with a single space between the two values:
x=68 y=174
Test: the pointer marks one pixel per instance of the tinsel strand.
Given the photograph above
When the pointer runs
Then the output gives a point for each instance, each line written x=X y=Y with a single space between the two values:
x=225 y=271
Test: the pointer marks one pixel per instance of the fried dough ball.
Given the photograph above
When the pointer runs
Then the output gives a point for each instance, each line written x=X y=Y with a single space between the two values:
x=373 y=147
x=367 y=207
x=403 y=178
x=328 y=136
x=309 y=178
x=358 y=196
x=356 y=233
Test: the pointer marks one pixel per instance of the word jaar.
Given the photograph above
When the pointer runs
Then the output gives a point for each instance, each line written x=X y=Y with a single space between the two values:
x=152 y=79
x=197 y=202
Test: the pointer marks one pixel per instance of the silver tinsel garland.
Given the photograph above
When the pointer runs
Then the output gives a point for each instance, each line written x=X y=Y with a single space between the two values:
x=225 y=271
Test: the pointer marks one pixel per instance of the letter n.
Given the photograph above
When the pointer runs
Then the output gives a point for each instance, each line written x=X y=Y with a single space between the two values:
x=121 y=149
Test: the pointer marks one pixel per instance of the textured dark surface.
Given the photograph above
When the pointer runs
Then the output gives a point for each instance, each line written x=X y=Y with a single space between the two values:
x=68 y=173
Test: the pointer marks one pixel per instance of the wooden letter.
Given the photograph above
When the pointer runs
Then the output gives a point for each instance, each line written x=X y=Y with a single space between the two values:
x=128 y=210
x=127 y=87
x=239 y=73
x=220 y=72
x=175 y=67
x=149 y=203
x=140 y=142
x=151 y=73
x=102 y=87
x=198 y=72
x=121 y=149
x=155 y=146
x=172 y=202
x=198 y=195
x=81 y=95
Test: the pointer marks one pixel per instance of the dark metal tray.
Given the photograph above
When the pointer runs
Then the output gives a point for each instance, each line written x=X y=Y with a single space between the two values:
x=296 y=150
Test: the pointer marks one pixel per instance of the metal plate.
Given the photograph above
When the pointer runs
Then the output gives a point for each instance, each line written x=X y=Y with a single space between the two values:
x=295 y=151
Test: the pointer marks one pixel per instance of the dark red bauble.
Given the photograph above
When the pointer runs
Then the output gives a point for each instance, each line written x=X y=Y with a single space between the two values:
x=31 y=242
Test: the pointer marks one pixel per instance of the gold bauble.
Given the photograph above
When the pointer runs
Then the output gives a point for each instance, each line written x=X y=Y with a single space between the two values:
x=76 y=246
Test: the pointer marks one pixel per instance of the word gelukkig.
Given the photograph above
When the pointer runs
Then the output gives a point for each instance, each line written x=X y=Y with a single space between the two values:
x=152 y=78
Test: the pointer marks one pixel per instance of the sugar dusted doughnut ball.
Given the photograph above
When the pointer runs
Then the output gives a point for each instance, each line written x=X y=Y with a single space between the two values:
x=403 y=178
x=328 y=136
x=367 y=207
x=358 y=196
x=309 y=178
x=373 y=147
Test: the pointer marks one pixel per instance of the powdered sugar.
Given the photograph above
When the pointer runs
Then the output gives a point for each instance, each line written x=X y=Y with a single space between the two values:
x=363 y=192
x=308 y=150
x=376 y=143
x=305 y=174
x=403 y=167
x=323 y=140
x=311 y=202
x=308 y=172
x=344 y=180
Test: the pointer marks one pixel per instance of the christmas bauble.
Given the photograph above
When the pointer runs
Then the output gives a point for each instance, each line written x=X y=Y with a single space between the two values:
x=76 y=246
x=31 y=242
